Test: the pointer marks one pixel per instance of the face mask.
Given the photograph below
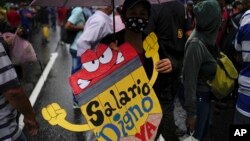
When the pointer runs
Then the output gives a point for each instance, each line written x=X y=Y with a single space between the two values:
x=136 y=24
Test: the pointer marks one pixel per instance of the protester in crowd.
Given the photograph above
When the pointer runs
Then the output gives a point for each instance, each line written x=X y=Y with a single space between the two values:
x=136 y=10
x=196 y=91
x=44 y=19
x=223 y=26
x=4 y=25
x=13 y=100
x=26 y=19
x=119 y=25
x=190 y=22
x=75 y=23
x=62 y=13
x=87 y=12
x=237 y=7
x=3 y=11
x=13 y=17
x=97 y=26
x=52 y=15
x=168 y=22
x=228 y=48
x=242 y=112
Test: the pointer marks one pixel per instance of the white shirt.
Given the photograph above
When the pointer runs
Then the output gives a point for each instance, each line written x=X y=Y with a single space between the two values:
x=97 y=26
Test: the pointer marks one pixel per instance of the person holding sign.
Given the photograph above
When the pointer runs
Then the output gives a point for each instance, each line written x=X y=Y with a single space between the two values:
x=133 y=12
x=112 y=87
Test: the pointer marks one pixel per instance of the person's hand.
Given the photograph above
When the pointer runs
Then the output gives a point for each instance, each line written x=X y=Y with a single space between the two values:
x=191 y=123
x=164 y=66
x=9 y=39
x=19 y=31
x=114 y=45
x=31 y=125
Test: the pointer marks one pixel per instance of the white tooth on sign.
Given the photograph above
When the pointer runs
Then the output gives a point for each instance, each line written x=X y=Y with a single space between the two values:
x=120 y=58
x=83 y=83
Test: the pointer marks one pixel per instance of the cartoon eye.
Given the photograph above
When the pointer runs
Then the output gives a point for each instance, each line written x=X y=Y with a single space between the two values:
x=106 y=56
x=91 y=66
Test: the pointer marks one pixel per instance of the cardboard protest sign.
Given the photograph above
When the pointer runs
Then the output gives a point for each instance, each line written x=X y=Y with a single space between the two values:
x=114 y=93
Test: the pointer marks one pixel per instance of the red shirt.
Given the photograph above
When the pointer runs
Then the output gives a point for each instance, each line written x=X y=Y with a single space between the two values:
x=223 y=27
x=13 y=18
x=62 y=14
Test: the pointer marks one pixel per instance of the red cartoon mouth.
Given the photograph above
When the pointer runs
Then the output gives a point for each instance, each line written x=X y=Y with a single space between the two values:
x=120 y=58
x=83 y=83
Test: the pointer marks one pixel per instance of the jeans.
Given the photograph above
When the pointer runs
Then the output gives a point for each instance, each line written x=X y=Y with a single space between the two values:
x=76 y=65
x=240 y=119
x=21 y=138
x=203 y=114
x=76 y=61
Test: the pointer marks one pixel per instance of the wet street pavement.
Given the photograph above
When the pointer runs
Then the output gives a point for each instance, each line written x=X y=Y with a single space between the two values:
x=220 y=120
x=56 y=89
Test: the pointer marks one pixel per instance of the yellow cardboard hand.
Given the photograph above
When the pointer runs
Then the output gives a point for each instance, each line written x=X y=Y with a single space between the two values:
x=55 y=115
x=151 y=47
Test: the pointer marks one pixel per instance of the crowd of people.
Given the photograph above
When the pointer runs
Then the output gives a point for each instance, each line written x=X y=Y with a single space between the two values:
x=184 y=31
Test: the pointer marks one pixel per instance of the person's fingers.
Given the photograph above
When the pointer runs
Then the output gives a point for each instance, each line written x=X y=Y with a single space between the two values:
x=114 y=45
x=191 y=122
x=33 y=132
x=32 y=127
x=9 y=39
x=164 y=66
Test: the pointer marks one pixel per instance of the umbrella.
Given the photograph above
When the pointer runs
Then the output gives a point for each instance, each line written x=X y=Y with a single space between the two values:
x=158 y=1
x=71 y=3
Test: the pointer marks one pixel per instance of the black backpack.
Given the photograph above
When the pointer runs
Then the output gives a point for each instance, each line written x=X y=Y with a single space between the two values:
x=67 y=36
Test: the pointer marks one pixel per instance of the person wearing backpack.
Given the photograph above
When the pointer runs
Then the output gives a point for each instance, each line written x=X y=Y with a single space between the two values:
x=199 y=62
x=75 y=23
x=242 y=112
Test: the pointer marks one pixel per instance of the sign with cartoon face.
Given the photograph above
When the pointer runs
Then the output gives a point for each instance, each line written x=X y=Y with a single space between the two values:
x=114 y=94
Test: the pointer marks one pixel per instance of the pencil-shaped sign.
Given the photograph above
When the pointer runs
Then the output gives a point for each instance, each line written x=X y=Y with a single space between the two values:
x=114 y=93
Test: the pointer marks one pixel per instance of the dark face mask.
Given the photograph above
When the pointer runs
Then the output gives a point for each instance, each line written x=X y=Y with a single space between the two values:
x=136 y=24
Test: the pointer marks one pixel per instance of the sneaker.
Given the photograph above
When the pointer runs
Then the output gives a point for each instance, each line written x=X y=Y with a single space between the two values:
x=76 y=106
